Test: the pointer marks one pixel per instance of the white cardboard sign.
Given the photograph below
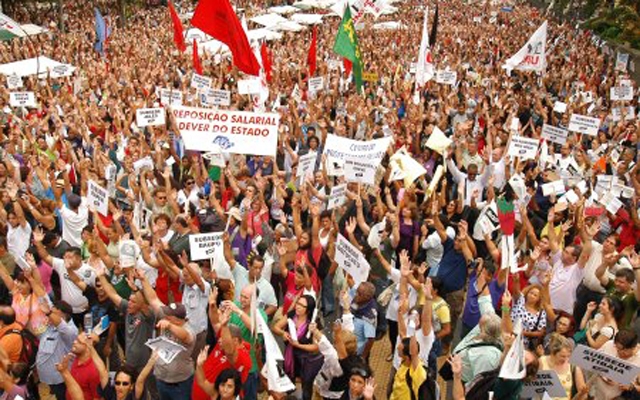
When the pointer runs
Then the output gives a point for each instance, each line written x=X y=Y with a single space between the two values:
x=554 y=134
x=546 y=381
x=200 y=82
x=22 y=99
x=216 y=97
x=98 y=198
x=446 y=77
x=204 y=246
x=170 y=97
x=583 y=124
x=337 y=197
x=14 y=82
x=603 y=364
x=150 y=117
x=360 y=171
x=621 y=93
x=351 y=260
x=316 y=84
x=523 y=147
x=248 y=86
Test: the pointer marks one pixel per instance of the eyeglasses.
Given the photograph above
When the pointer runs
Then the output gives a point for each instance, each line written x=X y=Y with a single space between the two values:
x=359 y=371
x=122 y=383
x=301 y=305
x=162 y=198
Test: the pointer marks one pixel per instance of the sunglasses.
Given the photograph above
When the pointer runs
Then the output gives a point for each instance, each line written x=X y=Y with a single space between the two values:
x=122 y=383
x=190 y=182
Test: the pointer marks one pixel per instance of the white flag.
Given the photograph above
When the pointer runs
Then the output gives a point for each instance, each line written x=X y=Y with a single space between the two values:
x=513 y=367
x=7 y=24
x=424 y=70
x=531 y=57
x=260 y=98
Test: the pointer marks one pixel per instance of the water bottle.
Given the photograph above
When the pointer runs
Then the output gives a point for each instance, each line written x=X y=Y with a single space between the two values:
x=88 y=323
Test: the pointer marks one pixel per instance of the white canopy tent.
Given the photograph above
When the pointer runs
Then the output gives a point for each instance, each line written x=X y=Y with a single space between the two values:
x=32 y=66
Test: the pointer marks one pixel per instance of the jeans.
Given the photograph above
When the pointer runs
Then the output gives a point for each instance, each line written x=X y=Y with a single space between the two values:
x=175 y=391
x=436 y=351
x=251 y=386
x=328 y=295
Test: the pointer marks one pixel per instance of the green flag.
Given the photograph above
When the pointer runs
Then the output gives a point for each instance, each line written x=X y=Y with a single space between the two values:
x=347 y=46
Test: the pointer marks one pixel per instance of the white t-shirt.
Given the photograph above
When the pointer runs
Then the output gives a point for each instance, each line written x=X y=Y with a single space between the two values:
x=73 y=223
x=196 y=302
x=594 y=261
x=18 y=239
x=425 y=343
x=69 y=291
x=563 y=284
x=394 y=304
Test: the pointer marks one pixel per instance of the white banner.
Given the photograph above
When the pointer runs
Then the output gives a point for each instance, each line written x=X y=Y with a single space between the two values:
x=316 y=84
x=531 y=57
x=361 y=171
x=583 y=124
x=351 y=260
x=205 y=246
x=621 y=93
x=200 y=82
x=337 y=197
x=170 y=97
x=342 y=148
x=523 y=147
x=14 y=82
x=554 y=134
x=446 y=77
x=237 y=132
x=98 y=198
x=22 y=99
x=546 y=381
x=605 y=365
x=150 y=117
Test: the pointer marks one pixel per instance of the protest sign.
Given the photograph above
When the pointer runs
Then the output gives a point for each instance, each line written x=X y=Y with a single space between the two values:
x=523 y=147
x=545 y=381
x=170 y=97
x=621 y=93
x=205 y=246
x=583 y=124
x=404 y=167
x=237 y=132
x=342 y=148
x=200 y=82
x=351 y=260
x=61 y=70
x=215 y=97
x=446 y=77
x=555 y=187
x=605 y=365
x=337 y=197
x=248 y=86
x=316 y=84
x=150 y=117
x=167 y=349
x=360 y=171
x=370 y=77
x=14 y=82
x=98 y=198
x=22 y=99
x=273 y=368
x=554 y=134
x=306 y=164
x=622 y=60
x=438 y=141
x=560 y=107
x=335 y=166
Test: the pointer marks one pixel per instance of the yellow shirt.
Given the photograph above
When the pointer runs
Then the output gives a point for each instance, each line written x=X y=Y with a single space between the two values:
x=400 y=387
x=566 y=379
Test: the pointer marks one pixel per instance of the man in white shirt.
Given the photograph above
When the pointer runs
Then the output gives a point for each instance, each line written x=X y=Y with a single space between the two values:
x=74 y=219
x=18 y=230
x=434 y=249
x=471 y=185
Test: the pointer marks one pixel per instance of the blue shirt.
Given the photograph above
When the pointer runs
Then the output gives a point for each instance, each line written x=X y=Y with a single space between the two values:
x=471 y=314
x=55 y=342
x=453 y=268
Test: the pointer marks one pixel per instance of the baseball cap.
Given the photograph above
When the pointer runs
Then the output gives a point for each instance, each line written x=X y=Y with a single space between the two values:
x=177 y=310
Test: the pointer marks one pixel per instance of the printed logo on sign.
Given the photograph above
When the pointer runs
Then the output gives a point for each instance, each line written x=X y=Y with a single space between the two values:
x=223 y=142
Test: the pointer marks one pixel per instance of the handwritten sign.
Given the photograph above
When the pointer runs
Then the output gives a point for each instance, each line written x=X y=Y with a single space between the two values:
x=359 y=171
x=150 y=117
x=98 y=198
x=216 y=97
x=583 y=124
x=204 y=246
x=22 y=99
x=170 y=97
x=554 y=134
x=603 y=364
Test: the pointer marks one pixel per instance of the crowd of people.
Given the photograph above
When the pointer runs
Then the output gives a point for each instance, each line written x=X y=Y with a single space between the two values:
x=85 y=295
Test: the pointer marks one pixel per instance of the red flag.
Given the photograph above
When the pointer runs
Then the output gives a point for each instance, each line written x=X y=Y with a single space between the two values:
x=216 y=18
x=178 y=38
x=347 y=66
x=311 y=57
x=196 y=59
x=266 y=61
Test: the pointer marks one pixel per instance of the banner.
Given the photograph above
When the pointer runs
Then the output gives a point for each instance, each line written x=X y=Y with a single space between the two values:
x=238 y=132
x=605 y=365
x=360 y=171
x=337 y=197
x=523 y=147
x=621 y=93
x=546 y=381
x=200 y=82
x=205 y=246
x=342 y=148
x=22 y=99
x=531 y=57
x=215 y=97
x=351 y=260
x=554 y=134
x=170 y=97
x=446 y=77
x=583 y=124
x=316 y=84
x=98 y=198
x=150 y=117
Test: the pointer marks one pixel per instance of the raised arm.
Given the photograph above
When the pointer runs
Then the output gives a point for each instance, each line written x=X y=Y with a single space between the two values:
x=144 y=374
x=149 y=294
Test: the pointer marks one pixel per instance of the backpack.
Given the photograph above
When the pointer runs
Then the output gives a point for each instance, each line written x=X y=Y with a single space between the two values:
x=426 y=391
x=30 y=345
x=322 y=269
x=482 y=385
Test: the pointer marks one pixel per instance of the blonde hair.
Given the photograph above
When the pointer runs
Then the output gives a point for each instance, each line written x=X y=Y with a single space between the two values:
x=557 y=343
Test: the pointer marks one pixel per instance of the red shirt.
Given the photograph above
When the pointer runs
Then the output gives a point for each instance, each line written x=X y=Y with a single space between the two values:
x=87 y=377
x=164 y=284
x=218 y=362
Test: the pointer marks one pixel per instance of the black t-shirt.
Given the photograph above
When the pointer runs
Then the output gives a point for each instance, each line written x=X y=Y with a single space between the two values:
x=340 y=383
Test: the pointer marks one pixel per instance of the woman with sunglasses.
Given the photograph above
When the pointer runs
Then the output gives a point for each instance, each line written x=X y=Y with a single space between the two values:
x=125 y=386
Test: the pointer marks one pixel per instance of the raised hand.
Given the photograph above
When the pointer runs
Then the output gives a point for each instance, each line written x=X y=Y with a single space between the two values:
x=202 y=356
x=351 y=225
x=369 y=389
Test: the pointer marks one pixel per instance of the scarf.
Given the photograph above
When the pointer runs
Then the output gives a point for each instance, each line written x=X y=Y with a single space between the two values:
x=289 y=361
